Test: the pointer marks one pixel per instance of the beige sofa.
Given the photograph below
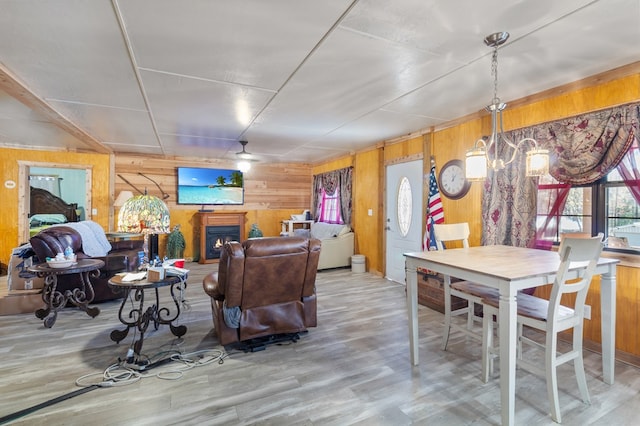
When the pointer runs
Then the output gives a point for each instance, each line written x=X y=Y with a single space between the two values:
x=337 y=244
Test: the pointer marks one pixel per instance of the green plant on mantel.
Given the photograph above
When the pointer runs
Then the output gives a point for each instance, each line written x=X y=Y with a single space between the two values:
x=175 y=243
x=255 y=232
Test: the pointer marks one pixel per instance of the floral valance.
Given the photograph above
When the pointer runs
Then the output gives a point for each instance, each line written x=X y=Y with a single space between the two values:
x=586 y=147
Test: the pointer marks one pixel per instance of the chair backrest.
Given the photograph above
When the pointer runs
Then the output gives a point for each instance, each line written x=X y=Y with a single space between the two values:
x=575 y=250
x=269 y=270
x=451 y=232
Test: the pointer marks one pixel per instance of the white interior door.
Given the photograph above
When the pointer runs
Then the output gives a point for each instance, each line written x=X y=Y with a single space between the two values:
x=404 y=216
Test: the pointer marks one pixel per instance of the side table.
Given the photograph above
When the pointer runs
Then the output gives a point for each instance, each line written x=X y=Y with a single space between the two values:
x=139 y=316
x=80 y=296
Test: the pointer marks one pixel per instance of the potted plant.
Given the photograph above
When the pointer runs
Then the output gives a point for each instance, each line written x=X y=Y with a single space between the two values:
x=175 y=243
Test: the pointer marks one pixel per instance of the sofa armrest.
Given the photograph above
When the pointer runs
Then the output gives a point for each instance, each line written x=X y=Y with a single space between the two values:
x=336 y=252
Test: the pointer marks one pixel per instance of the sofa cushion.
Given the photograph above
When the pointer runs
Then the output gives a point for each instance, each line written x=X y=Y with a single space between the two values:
x=322 y=230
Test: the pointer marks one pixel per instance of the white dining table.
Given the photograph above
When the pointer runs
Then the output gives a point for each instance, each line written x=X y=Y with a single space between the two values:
x=509 y=269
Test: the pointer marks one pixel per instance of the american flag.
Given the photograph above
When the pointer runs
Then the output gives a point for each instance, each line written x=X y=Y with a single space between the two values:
x=435 y=214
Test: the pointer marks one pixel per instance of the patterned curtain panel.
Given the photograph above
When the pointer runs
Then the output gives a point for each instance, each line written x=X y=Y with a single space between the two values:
x=509 y=202
x=329 y=181
x=583 y=149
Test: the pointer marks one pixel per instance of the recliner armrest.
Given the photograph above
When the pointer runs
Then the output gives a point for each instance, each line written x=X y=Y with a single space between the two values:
x=211 y=286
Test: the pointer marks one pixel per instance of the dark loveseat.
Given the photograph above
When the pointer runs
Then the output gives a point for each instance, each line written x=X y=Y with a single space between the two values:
x=264 y=287
x=122 y=257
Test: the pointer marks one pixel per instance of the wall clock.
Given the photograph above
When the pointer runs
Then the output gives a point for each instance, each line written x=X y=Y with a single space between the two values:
x=453 y=184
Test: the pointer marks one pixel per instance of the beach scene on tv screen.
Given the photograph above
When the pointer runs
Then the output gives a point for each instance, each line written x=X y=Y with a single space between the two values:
x=209 y=186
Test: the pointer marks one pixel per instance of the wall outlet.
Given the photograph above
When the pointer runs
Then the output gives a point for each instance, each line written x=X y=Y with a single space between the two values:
x=587 y=312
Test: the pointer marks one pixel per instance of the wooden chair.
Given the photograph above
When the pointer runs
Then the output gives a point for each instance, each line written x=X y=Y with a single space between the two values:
x=552 y=318
x=471 y=292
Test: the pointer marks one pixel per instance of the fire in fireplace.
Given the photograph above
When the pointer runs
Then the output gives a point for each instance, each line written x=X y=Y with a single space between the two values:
x=216 y=236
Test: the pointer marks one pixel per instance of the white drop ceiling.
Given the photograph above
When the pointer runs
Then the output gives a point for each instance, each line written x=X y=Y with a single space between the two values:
x=301 y=80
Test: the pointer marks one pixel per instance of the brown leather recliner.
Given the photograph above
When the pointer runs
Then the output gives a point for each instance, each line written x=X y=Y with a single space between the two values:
x=122 y=257
x=264 y=287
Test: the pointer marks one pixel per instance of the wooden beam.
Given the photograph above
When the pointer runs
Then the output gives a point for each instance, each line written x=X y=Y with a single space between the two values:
x=19 y=91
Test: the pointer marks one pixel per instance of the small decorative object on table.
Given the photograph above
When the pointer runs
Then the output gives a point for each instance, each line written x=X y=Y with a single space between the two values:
x=255 y=232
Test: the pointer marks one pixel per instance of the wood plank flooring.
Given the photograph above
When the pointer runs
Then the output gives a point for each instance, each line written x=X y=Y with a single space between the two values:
x=353 y=369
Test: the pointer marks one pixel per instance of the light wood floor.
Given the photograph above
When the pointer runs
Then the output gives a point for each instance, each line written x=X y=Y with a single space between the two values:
x=353 y=369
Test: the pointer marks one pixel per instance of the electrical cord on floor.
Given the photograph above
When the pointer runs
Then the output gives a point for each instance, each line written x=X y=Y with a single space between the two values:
x=18 y=414
x=123 y=374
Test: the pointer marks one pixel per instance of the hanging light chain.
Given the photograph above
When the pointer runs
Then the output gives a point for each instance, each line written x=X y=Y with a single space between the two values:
x=494 y=73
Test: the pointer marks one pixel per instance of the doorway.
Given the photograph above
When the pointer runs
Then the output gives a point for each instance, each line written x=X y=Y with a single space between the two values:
x=82 y=186
x=404 y=216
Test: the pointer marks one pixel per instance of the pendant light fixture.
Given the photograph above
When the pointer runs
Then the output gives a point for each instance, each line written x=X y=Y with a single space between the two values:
x=486 y=154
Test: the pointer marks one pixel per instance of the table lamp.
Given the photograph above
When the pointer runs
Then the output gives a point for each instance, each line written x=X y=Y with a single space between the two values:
x=148 y=215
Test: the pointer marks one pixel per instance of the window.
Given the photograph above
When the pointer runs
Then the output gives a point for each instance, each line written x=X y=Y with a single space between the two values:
x=606 y=206
x=404 y=206
x=330 y=207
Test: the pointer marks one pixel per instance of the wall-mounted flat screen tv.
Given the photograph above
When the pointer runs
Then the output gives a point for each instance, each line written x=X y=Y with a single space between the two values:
x=209 y=186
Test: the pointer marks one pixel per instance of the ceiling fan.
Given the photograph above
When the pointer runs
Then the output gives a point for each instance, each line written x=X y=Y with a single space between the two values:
x=244 y=155
x=244 y=158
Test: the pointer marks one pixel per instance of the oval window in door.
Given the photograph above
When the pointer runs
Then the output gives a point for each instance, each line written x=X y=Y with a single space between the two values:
x=404 y=205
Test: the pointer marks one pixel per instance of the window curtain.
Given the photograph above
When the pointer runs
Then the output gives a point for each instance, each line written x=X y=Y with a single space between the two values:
x=329 y=181
x=628 y=169
x=582 y=150
x=509 y=202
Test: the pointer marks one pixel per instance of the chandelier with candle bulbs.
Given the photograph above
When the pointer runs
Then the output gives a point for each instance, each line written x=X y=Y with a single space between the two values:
x=486 y=154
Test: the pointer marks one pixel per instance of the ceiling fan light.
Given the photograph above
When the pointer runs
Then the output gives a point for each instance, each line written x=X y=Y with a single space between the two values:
x=244 y=166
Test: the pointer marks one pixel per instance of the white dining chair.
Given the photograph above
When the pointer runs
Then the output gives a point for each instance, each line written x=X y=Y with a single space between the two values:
x=473 y=293
x=552 y=318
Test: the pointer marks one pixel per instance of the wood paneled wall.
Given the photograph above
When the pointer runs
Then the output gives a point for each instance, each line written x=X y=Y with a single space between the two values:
x=273 y=192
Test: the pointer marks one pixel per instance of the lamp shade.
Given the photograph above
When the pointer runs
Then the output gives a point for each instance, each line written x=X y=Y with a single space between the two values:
x=144 y=214
x=476 y=164
x=123 y=196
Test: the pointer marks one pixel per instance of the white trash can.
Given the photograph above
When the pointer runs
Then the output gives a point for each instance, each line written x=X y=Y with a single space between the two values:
x=358 y=264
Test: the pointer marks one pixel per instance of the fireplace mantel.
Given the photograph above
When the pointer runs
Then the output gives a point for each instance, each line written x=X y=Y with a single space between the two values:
x=208 y=219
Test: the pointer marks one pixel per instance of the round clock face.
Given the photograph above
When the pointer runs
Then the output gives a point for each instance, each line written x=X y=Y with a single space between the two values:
x=453 y=183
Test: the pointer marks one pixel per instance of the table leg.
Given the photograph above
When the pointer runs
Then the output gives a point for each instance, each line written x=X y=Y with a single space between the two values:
x=53 y=300
x=136 y=317
x=508 y=335
x=82 y=296
x=164 y=314
x=412 y=309
x=447 y=311
x=608 y=323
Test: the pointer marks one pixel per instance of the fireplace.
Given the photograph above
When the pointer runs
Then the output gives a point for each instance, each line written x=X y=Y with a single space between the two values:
x=216 y=236
x=217 y=228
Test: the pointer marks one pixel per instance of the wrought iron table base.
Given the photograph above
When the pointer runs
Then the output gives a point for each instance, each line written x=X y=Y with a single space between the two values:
x=141 y=317
x=55 y=299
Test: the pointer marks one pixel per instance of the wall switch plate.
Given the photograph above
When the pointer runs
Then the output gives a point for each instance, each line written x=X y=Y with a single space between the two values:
x=370 y=212
x=94 y=211
x=587 y=312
